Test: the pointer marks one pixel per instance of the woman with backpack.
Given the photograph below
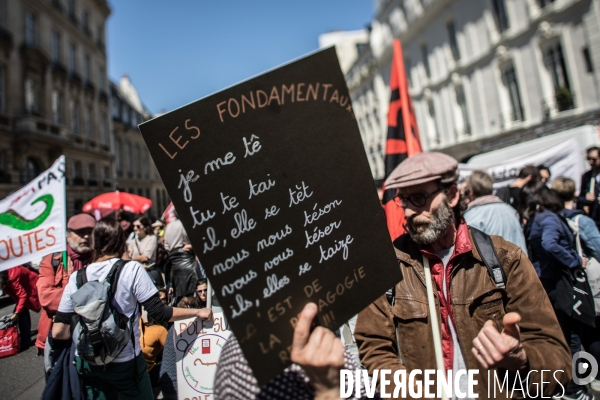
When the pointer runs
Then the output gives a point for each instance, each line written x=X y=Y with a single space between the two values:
x=553 y=254
x=549 y=238
x=111 y=364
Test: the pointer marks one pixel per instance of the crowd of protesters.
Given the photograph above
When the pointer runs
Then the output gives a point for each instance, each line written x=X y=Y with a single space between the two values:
x=517 y=322
x=518 y=318
x=143 y=244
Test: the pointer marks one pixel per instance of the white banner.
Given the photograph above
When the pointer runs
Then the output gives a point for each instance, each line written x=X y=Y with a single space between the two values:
x=33 y=219
x=198 y=347
x=564 y=159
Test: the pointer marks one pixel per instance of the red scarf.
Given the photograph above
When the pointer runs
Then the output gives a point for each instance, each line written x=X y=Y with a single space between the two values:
x=79 y=260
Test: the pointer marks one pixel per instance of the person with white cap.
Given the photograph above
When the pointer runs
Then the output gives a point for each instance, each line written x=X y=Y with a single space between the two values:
x=451 y=310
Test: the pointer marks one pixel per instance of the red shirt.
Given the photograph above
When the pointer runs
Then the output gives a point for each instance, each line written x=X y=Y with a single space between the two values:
x=22 y=288
x=462 y=245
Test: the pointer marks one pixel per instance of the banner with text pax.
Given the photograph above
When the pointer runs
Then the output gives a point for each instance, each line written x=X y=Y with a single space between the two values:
x=32 y=220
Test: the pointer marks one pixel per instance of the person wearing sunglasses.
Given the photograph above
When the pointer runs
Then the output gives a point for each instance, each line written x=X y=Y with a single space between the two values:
x=201 y=291
x=485 y=326
x=143 y=249
x=589 y=195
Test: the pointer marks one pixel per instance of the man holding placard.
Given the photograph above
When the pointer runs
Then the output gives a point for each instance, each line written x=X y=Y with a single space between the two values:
x=494 y=316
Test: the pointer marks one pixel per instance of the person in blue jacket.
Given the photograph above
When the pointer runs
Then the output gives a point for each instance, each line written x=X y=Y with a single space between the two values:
x=590 y=242
x=550 y=240
x=552 y=248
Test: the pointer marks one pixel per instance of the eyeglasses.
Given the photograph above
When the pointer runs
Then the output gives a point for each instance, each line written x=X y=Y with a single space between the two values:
x=201 y=291
x=136 y=226
x=592 y=159
x=416 y=199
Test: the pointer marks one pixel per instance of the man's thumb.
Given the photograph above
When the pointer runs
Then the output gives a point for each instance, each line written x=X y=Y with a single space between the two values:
x=510 y=322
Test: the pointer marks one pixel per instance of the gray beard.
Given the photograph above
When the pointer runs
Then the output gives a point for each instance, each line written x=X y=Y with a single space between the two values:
x=443 y=217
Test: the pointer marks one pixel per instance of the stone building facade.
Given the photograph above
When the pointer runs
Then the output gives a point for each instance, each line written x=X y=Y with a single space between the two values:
x=54 y=95
x=134 y=169
x=483 y=74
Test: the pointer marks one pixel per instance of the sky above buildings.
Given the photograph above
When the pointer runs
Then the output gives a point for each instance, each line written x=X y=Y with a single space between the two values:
x=175 y=52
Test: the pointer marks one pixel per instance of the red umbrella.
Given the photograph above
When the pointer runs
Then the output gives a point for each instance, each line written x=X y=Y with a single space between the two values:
x=118 y=200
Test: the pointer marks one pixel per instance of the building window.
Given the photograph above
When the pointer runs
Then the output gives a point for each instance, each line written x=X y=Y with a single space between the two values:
x=127 y=151
x=71 y=8
x=77 y=174
x=509 y=78
x=101 y=78
x=407 y=71
x=138 y=160
x=92 y=181
x=56 y=47
x=103 y=130
x=125 y=113
x=587 y=58
x=453 y=42
x=86 y=68
x=500 y=15
x=2 y=89
x=158 y=203
x=74 y=117
x=30 y=170
x=145 y=167
x=85 y=21
x=77 y=206
x=115 y=108
x=100 y=34
x=57 y=108
x=555 y=63
x=544 y=3
x=77 y=169
x=118 y=156
x=432 y=128
x=30 y=29
x=89 y=132
x=31 y=97
x=3 y=13
x=72 y=58
x=425 y=57
x=461 y=101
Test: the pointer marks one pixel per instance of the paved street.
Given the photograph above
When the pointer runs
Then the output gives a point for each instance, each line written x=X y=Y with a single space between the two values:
x=22 y=375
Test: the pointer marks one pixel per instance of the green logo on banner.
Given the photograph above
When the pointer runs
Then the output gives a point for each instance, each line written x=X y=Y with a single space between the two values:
x=16 y=221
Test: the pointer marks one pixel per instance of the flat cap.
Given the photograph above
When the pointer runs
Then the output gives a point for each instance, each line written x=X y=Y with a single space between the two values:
x=81 y=221
x=422 y=168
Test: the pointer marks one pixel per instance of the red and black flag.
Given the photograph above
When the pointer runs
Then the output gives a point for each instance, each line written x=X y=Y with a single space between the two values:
x=402 y=138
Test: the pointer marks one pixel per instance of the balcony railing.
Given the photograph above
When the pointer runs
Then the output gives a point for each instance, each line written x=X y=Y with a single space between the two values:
x=57 y=5
x=6 y=38
x=33 y=124
x=59 y=68
x=75 y=78
x=89 y=86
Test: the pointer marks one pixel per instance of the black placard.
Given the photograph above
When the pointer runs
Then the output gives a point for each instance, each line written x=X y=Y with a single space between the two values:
x=273 y=187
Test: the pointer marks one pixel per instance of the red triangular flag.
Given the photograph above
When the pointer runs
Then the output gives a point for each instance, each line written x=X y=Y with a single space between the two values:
x=402 y=138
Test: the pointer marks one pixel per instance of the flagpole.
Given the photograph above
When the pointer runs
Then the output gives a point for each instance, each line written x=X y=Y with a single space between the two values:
x=64 y=253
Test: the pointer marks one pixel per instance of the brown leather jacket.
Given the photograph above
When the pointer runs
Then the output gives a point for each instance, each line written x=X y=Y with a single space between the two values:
x=475 y=299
